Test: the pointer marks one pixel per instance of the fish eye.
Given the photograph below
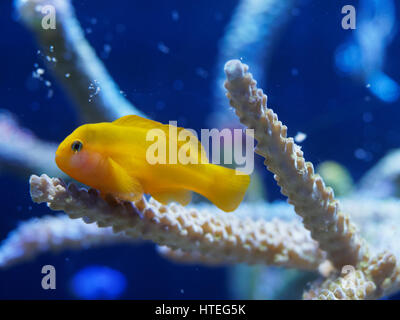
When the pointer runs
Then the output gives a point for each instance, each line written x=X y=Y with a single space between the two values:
x=76 y=146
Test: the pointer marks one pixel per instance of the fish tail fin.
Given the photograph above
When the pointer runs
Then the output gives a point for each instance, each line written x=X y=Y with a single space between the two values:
x=227 y=188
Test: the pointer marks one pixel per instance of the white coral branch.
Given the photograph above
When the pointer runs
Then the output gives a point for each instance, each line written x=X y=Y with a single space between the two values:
x=53 y=234
x=219 y=236
x=371 y=280
x=312 y=200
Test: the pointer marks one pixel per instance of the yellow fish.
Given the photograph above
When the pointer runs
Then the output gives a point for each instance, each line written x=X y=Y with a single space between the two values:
x=113 y=158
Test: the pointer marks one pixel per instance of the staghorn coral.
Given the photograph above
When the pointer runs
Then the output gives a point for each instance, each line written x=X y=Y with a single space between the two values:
x=53 y=234
x=306 y=190
x=378 y=221
x=21 y=152
x=252 y=32
x=212 y=237
x=383 y=180
x=371 y=280
x=77 y=59
x=66 y=52
x=312 y=200
x=214 y=234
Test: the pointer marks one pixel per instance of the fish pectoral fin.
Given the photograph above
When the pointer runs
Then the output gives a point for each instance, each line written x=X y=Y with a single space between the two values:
x=181 y=196
x=123 y=185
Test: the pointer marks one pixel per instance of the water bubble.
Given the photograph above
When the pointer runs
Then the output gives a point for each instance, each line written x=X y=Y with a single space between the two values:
x=107 y=48
x=51 y=48
x=384 y=87
x=175 y=15
x=362 y=154
x=67 y=75
x=300 y=137
x=50 y=94
x=348 y=58
x=94 y=88
x=106 y=51
x=163 y=48
x=98 y=282
x=37 y=74
x=201 y=72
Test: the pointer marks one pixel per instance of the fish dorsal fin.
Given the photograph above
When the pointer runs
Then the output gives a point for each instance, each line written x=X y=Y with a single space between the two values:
x=137 y=121
x=140 y=122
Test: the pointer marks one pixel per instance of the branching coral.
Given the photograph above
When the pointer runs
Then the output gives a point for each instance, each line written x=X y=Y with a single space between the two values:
x=371 y=280
x=212 y=237
x=53 y=234
x=73 y=56
x=76 y=66
x=252 y=33
x=216 y=235
x=383 y=180
x=312 y=200
x=306 y=190
x=21 y=152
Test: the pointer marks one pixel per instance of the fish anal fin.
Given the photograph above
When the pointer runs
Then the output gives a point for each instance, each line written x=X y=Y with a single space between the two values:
x=181 y=196
x=122 y=185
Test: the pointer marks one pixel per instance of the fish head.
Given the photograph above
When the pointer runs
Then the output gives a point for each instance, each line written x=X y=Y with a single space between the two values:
x=77 y=155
